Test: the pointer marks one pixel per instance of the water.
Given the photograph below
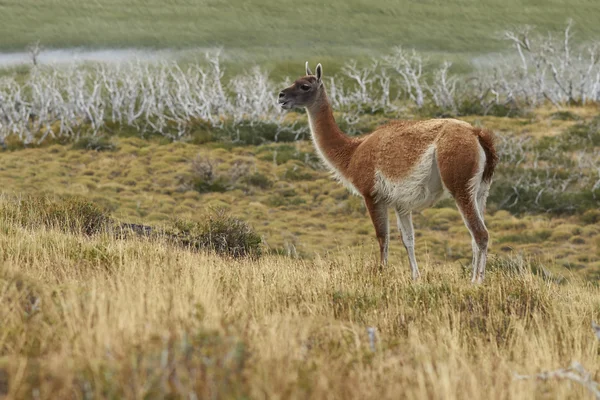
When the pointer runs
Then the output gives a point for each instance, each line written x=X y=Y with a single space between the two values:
x=69 y=56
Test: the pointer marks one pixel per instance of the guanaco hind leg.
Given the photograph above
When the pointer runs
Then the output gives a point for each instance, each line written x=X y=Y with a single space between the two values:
x=379 y=217
x=405 y=226
x=461 y=168
x=474 y=222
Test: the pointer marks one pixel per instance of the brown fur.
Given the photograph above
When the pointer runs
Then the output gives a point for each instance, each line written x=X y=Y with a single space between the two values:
x=487 y=141
x=395 y=150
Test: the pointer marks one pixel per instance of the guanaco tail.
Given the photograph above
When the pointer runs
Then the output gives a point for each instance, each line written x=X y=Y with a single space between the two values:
x=406 y=165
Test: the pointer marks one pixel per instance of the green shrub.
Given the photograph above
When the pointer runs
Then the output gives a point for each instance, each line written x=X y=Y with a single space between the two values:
x=258 y=180
x=297 y=173
x=218 y=185
x=97 y=143
x=280 y=154
x=564 y=116
x=259 y=132
x=285 y=197
x=544 y=175
x=581 y=136
x=510 y=193
x=219 y=232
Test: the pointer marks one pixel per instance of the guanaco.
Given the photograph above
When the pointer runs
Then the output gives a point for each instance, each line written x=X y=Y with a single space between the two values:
x=406 y=164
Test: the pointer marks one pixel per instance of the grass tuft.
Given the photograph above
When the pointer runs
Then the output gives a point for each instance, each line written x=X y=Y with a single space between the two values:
x=70 y=214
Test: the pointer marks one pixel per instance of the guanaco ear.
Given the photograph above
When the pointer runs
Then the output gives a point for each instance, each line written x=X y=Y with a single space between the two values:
x=308 y=71
x=319 y=72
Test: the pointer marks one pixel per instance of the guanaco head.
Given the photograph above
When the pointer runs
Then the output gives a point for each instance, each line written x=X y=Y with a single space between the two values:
x=304 y=92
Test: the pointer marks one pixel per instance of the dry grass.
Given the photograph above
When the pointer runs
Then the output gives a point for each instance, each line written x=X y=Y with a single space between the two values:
x=96 y=316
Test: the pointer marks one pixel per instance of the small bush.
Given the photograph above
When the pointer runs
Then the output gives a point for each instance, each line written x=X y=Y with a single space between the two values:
x=204 y=177
x=69 y=214
x=297 y=173
x=525 y=197
x=564 y=116
x=591 y=216
x=581 y=136
x=283 y=153
x=219 y=232
x=97 y=143
x=259 y=132
x=543 y=175
x=258 y=180
x=285 y=197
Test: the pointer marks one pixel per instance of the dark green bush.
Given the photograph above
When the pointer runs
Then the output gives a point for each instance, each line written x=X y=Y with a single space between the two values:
x=472 y=106
x=97 y=143
x=581 y=136
x=544 y=175
x=507 y=193
x=280 y=154
x=259 y=132
x=258 y=180
x=218 y=185
x=564 y=116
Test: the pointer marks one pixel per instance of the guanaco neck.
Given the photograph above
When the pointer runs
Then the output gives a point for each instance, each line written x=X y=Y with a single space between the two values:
x=334 y=147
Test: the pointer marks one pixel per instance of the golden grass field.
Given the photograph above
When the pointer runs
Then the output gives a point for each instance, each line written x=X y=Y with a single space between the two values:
x=100 y=317
x=107 y=317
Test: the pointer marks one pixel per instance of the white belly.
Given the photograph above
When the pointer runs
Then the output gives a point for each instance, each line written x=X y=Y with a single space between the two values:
x=420 y=189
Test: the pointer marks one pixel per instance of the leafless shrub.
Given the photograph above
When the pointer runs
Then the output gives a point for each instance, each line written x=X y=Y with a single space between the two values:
x=553 y=69
x=34 y=51
x=203 y=168
x=240 y=169
x=146 y=96
x=409 y=65
x=443 y=88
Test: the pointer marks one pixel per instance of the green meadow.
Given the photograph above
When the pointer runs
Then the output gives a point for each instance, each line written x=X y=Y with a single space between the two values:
x=281 y=35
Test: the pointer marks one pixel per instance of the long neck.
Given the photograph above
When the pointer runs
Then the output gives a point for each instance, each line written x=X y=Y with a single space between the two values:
x=332 y=144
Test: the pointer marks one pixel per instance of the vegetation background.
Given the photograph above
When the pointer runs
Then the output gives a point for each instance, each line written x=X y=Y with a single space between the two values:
x=221 y=260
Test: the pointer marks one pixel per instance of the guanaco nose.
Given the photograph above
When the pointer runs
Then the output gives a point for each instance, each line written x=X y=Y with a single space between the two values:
x=281 y=94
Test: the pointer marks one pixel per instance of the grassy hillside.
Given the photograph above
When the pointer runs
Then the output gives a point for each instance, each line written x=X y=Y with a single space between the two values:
x=287 y=30
x=282 y=190
x=168 y=233
x=96 y=316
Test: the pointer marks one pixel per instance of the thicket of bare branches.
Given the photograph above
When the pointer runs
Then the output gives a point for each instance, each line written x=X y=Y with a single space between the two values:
x=164 y=97
x=141 y=95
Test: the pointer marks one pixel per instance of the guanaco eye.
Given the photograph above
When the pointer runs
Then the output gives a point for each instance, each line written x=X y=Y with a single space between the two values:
x=305 y=87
